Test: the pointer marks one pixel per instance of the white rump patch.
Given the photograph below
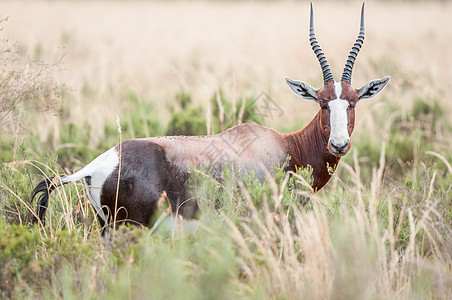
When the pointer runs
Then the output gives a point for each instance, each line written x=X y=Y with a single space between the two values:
x=338 y=118
x=99 y=170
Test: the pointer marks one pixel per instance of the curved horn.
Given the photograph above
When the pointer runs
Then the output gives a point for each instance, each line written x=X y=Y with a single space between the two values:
x=347 y=74
x=327 y=75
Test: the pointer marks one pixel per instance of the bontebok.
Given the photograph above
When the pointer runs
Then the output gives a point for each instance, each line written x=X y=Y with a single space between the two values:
x=148 y=168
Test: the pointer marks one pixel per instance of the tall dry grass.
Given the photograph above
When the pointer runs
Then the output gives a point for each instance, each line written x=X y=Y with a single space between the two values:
x=375 y=242
x=354 y=255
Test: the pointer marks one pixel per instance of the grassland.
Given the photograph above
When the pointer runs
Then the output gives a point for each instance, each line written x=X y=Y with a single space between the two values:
x=380 y=229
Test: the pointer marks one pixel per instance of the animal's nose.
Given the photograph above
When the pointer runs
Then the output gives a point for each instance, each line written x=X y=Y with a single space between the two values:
x=339 y=147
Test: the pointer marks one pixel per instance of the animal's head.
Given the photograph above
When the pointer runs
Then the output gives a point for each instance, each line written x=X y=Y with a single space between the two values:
x=337 y=100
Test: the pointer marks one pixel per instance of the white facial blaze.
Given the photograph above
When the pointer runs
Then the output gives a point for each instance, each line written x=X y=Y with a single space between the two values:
x=338 y=118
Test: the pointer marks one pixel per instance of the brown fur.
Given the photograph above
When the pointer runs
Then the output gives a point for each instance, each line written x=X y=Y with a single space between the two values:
x=308 y=146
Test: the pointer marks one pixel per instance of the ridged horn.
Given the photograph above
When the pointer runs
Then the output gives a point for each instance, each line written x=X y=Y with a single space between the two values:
x=347 y=74
x=327 y=75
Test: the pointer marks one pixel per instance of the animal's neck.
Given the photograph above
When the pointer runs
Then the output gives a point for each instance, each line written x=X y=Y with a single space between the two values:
x=308 y=146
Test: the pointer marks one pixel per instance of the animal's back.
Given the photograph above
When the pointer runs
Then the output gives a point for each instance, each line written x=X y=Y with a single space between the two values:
x=250 y=146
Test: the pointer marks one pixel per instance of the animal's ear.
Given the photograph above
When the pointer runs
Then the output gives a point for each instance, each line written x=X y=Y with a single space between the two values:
x=372 y=88
x=302 y=89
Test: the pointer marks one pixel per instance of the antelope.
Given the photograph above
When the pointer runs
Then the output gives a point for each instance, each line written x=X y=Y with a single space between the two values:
x=147 y=168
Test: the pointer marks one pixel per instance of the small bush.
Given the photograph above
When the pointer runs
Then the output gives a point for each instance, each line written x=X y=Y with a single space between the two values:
x=20 y=268
x=24 y=86
x=186 y=119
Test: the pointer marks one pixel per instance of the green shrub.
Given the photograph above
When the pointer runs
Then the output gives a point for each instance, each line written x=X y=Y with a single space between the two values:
x=20 y=268
x=186 y=119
